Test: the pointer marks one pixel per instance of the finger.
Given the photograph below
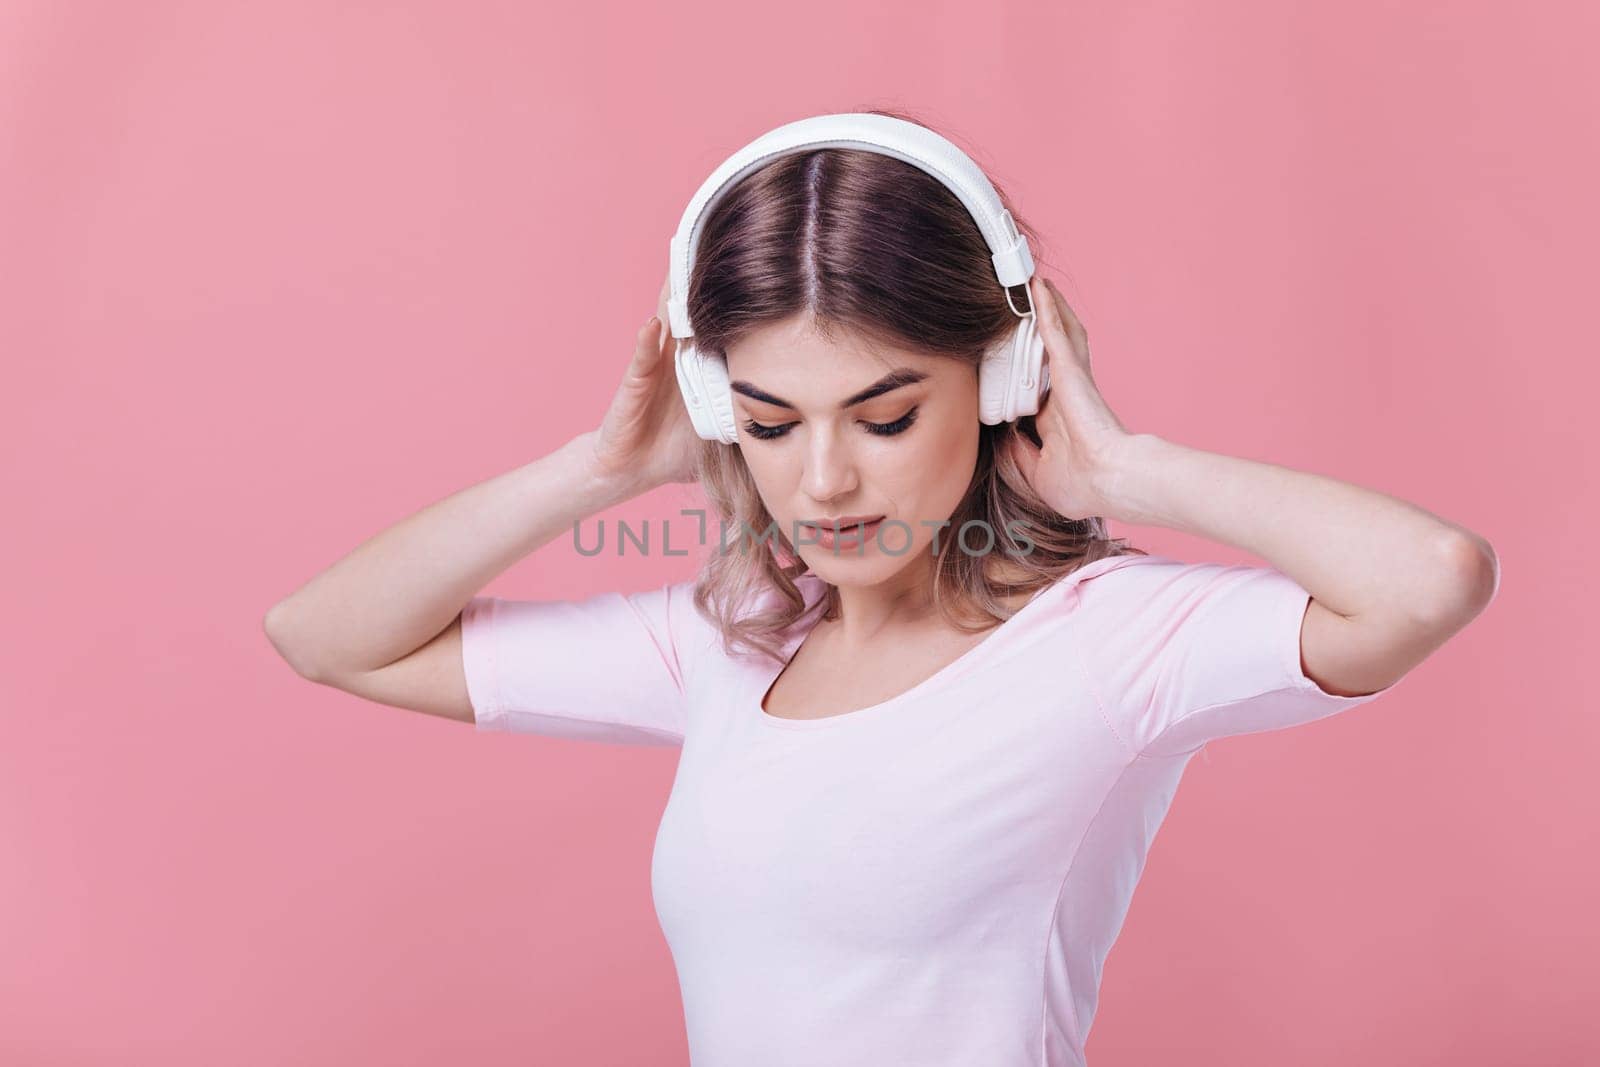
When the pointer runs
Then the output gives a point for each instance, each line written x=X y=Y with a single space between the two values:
x=665 y=342
x=1024 y=454
x=1063 y=310
x=1069 y=318
x=647 y=346
x=650 y=333
x=1049 y=314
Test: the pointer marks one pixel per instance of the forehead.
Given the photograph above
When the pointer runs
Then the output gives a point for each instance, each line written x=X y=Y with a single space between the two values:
x=791 y=360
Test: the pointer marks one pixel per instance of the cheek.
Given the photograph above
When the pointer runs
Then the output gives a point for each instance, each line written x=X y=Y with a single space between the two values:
x=938 y=466
x=773 y=470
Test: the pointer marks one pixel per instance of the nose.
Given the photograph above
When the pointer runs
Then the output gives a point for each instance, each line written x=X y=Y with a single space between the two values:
x=830 y=468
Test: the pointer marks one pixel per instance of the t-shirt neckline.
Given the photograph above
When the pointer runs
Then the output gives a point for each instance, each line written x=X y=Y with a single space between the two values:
x=959 y=665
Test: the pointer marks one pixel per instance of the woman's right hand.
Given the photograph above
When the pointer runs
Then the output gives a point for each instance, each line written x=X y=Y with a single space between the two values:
x=646 y=436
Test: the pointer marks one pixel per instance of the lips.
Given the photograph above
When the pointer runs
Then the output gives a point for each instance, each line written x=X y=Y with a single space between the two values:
x=841 y=522
x=855 y=534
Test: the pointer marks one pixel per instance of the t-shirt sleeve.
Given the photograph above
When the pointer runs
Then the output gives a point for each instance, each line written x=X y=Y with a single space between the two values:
x=607 y=668
x=1181 y=654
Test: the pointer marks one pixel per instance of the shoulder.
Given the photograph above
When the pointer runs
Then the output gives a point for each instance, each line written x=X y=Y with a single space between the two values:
x=1121 y=578
x=1160 y=602
x=1144 y=597
x=1119 y=586
x=702 y=630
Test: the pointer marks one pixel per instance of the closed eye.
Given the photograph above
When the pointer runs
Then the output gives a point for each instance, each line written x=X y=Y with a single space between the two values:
x=882 y=429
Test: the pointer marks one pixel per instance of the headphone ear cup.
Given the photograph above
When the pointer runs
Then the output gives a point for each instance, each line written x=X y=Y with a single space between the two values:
x=1012 y=377
x=703 y=381
x=994 y=381
x=1033 y=379
x=714 y=369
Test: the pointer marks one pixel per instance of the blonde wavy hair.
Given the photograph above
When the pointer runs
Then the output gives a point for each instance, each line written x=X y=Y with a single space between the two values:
x=869 y=246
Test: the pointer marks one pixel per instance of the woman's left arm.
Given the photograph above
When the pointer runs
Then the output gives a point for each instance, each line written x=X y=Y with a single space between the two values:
x=1390 y=582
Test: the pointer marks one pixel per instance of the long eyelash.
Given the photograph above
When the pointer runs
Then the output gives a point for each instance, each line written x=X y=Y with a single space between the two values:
x=882 y=429
x=765 y=433
x=889 y=429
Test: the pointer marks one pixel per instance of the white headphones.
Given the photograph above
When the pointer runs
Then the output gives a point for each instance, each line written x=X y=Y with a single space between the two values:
x=1012 y=377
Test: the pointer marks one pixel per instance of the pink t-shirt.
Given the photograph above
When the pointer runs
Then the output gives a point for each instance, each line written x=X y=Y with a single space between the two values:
x=935 y=879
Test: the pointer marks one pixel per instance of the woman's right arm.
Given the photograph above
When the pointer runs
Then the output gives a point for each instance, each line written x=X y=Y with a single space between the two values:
x=384 y=621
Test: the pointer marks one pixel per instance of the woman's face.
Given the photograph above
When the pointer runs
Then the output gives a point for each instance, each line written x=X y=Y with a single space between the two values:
x=845 y=430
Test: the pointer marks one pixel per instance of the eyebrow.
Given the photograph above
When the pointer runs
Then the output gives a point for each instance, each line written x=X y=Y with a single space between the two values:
x=889 y=382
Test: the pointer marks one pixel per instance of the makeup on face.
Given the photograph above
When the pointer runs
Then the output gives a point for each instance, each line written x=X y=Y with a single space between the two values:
x=825 y=459
x=895 y=379
x=843 y=535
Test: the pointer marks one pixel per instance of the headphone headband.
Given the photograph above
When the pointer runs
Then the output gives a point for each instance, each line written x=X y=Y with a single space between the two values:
x=883 y=134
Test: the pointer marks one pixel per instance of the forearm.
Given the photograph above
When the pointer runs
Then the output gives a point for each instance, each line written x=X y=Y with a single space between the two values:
x=399 y=589
x=1358 y=551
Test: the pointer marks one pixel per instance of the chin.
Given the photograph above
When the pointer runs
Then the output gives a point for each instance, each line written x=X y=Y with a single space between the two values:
x=846 y=567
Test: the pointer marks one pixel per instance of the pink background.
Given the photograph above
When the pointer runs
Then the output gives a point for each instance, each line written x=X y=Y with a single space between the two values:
x=277 y=275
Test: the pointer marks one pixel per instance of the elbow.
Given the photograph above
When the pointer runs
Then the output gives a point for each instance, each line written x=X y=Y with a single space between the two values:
x=1473 y=575
x=275 y=625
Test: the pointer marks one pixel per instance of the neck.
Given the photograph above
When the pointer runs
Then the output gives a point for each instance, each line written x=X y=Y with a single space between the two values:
x=904 y=598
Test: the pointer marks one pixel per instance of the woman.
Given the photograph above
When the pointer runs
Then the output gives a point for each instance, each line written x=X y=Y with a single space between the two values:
x=922 y=762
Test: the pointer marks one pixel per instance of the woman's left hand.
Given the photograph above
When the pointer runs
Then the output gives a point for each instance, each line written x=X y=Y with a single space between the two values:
x=1080 y=436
